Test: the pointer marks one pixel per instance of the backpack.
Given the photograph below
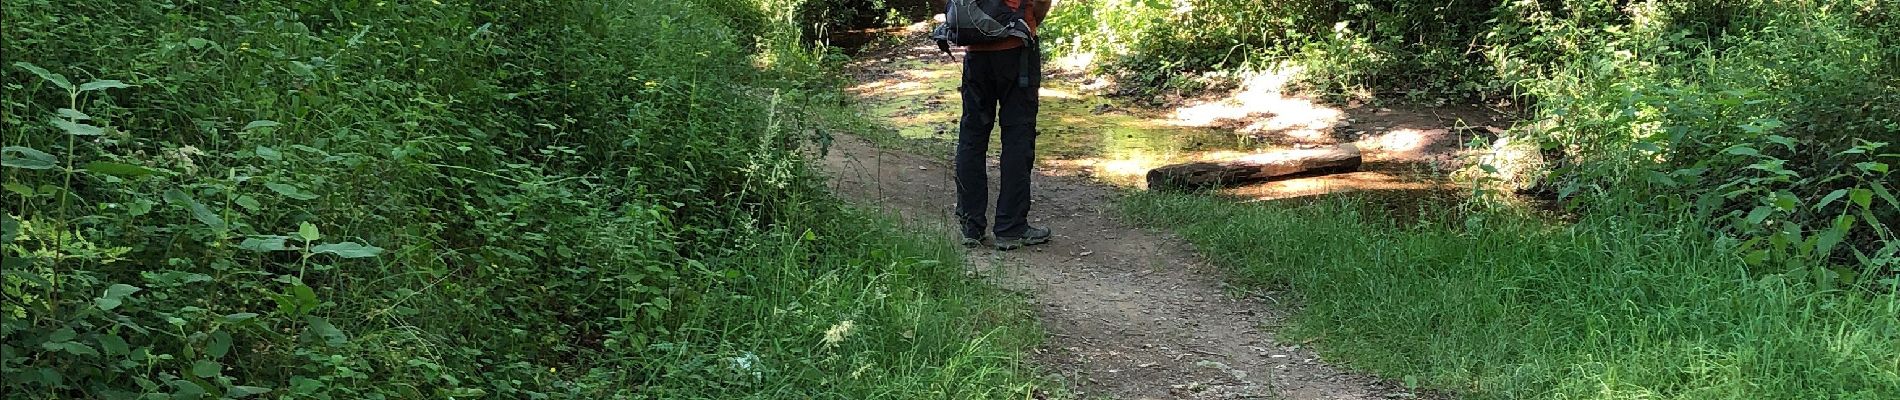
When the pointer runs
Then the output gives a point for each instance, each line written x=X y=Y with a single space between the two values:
x=972 y=22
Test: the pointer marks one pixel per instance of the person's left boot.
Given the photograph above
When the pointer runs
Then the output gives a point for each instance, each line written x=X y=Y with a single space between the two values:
x=972 y=239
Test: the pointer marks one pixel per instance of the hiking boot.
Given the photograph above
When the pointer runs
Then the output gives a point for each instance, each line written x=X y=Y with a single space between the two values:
x=973 y=235
x=1031 y=237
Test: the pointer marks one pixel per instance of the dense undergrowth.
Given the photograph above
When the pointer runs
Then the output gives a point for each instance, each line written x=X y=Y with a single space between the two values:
x=423 y=199
x=1492 y=305
x=1725 y=167
x=1777 y=121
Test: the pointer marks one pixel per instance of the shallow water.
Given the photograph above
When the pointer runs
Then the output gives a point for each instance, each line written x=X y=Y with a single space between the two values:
x=1079 y=133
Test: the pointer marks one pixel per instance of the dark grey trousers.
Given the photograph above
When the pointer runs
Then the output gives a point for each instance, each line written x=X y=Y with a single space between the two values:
x=992 y=96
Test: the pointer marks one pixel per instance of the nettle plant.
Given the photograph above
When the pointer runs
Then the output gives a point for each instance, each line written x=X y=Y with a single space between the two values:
x=1770 y=222
x=120 y=283
x=1786 y=206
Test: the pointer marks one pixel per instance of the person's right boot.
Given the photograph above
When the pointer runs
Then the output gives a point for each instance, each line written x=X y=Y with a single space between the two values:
x=1031 y=236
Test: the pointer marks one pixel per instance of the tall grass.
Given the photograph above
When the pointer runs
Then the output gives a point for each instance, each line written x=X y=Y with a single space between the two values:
x=423 y=199
x=1495 y=305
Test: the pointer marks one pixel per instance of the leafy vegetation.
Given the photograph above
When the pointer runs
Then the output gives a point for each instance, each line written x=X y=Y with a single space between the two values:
x=1725 y=167
x=425 y=199
x=1501 y=306
x=1775 y=120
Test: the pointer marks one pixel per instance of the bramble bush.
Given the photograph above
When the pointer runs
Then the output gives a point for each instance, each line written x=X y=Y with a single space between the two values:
x=432 y=199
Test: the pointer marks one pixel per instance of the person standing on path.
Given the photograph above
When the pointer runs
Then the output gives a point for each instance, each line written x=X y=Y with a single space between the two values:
x=996 y=93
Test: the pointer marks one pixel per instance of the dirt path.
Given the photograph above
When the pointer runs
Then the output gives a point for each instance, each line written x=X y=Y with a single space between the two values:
x=1130 y=313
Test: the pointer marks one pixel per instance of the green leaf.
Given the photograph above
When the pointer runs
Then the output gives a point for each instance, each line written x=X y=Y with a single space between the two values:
x=1824 y=243
x=263 y=243
x=114 y=345
x=1786 y=201
x=9 y=228
x=308 y=232
x=206 y=369
x=1661 y=178
x=1743 y=150
x=198 y=210
x=290 y=191
x=1830 y=198
x=1862 y=197
x=115 y=296
x=322 y=328
x=26 y=157
x=1648 y=147
x=347 y=250
x=1760 y=126
x=49 y=76
x=239 y=392
x=219 y=345
x=1759 y=214
x=121 y=290
x=1881 y=190
x=1784 y=141
x=62 y=335
x=269 y=154
x=16 y=267
x=248 y=202
x=1872 y=166
x=102 y=85
x=138 y=207
x=262 y=123
x=19 y=189
x=77 y=129
x=304 y=385
x=186 y=389
x=238 y=317
x=302 y=70
x=118 y=169
x=73 y=114
x=79 y=349
x=306 y=298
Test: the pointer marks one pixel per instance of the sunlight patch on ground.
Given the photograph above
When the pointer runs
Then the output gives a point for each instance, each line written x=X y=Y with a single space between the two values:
x=1403 y=143
x=1058 y=93
x=1262 y=108
x=1075 y=62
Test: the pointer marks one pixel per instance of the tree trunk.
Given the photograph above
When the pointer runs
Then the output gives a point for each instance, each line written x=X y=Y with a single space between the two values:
x=1258 y=167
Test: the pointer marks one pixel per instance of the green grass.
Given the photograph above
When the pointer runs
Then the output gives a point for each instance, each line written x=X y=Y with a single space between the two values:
x=1501 y=306
x=918 y=327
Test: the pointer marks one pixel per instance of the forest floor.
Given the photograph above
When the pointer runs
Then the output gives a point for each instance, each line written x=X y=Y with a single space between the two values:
x=1129 y=312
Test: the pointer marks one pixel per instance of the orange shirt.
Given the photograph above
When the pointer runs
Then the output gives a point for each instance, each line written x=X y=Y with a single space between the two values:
x=1029 y=15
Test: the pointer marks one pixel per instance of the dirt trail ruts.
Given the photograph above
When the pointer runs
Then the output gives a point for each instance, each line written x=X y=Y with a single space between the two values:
x=1131 y=314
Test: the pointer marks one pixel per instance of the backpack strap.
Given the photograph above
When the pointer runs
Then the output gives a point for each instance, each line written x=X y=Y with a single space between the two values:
x=942 y=36
x=1020 y=29
x=1022 y=77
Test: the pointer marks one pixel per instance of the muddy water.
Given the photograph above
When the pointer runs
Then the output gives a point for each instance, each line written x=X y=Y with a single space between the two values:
x=911 y=90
